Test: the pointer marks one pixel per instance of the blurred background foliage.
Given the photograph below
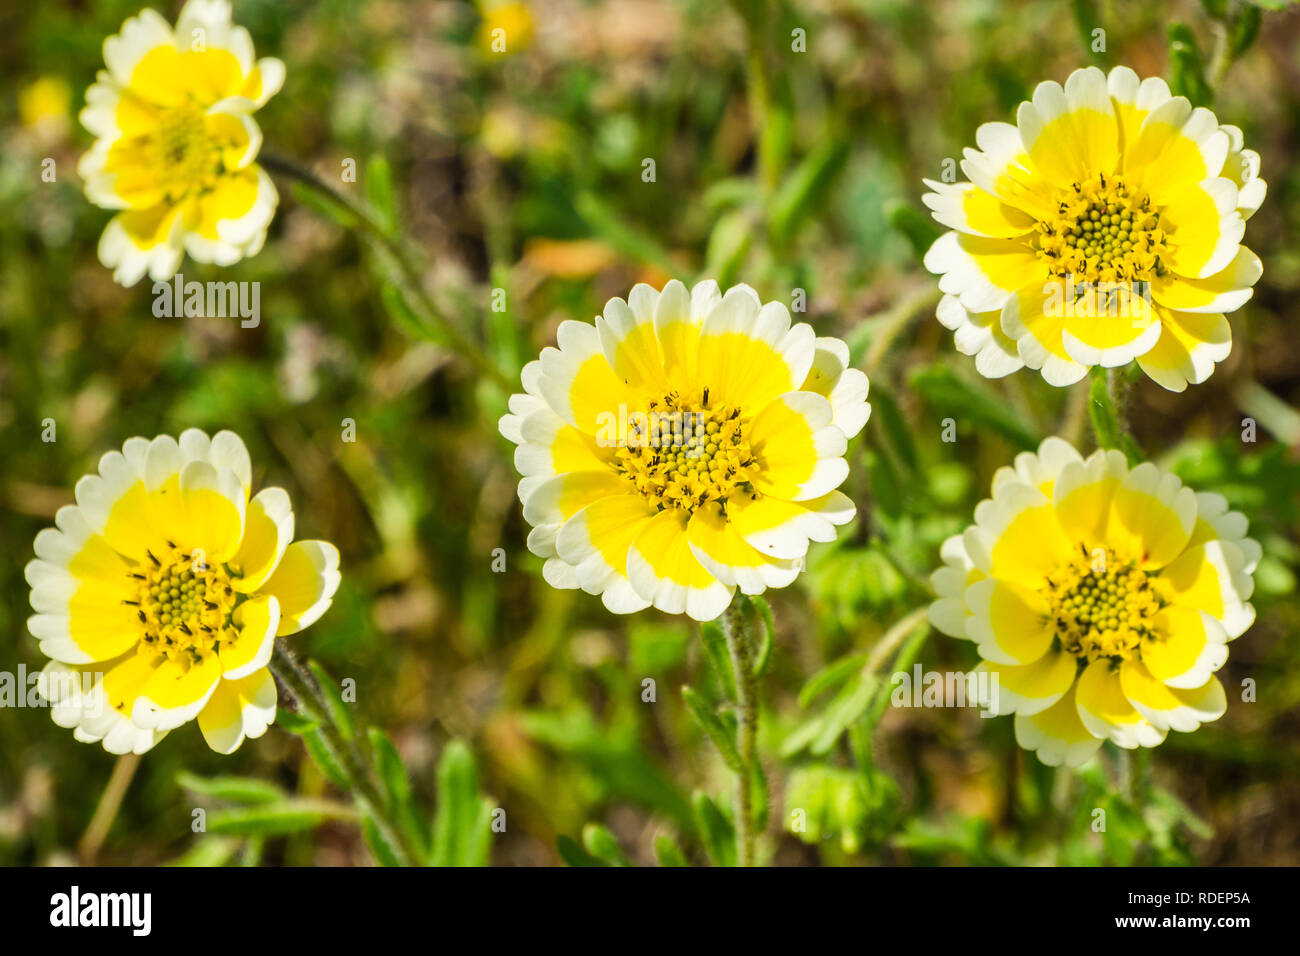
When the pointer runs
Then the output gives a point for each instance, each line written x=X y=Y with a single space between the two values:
x=789 y=164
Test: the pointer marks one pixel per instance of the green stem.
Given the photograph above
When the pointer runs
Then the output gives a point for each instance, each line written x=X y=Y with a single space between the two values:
x=436 y=325
x=357 y=769
x=738 y=645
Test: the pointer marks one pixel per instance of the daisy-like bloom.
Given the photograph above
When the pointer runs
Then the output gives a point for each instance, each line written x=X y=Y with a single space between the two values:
x=1105 y=226
x=160 y=593
x=176 y=143
x=1102 y=597
x=687 y=444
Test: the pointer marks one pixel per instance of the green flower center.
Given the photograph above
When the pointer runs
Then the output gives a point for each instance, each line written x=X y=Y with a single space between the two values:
x=186 y=158
x=1104 y=232
x=682 y=453
x=1101 y=606
x=184 y=605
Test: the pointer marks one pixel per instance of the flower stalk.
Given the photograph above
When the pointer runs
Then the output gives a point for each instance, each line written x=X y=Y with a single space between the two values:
x=357 y=768
x=433 y=323
x=736 y=632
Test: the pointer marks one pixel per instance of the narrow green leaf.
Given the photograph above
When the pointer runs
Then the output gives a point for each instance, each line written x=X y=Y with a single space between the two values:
x=324 y=206
x=294 y=722
x=916 y=227
x=846 y=707
x=722 y=738
x=766 y=640
x=804 y=191
x=392 y=772
x=380 y=193
x=716 y=831
x=668 y=853
x=603 y=845
x=339 y=712
x=967 y=400
x=832 y=675
x=275 y=819
x=574 y=855
x=324 y=759
x=232 y=789
x=715 y=645
x=462 y=827
x=1187 y=66
x=385 y=853
x=208 y=851
x=729 y=242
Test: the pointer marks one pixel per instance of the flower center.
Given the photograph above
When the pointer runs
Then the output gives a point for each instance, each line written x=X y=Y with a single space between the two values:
x=1101 y=606
x=1103 y=232
x=186 y=157
x=184 y=605
x=683 y=453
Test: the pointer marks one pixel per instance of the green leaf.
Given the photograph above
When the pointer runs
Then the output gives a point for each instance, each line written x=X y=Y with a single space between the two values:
x=763 y=653
x=574 y=855
x=1244 y=30
x=708 y=720
x=916 y=227
x=392 y=772
x=339 y=712
x=208 y=851
x=1187 y=66
x=232 y=789
x=804 y=191
x=716 y=832
x=832 y=675
x=897 y=433
x=385 y=853
x=462 y=827
x=964 y=399
x=380 y=193
x=324 y=205
x=846 y=707
x=396 y=786
x=324 y=758
x=603 y=845
x=294 y=722
x=729 y=242
x=276 y=819
x=715 y=645
x=668 y=853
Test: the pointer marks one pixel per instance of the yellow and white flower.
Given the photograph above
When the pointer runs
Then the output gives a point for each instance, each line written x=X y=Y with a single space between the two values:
x=687 y=444
x=1102 y=597
x=160 y=593
x=1105 y=226
x=176 y=143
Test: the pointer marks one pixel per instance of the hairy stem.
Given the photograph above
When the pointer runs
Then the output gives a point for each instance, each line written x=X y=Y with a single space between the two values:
x=435 y=325
x=738 y=645
x=356 y=767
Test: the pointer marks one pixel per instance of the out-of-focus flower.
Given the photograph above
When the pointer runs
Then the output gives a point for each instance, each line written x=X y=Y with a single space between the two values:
x=43 y=105
x=507 y=27
x=160 y=593
x=1105 y=226
x=687 y=444
x=176 y=143
x=1102 y=597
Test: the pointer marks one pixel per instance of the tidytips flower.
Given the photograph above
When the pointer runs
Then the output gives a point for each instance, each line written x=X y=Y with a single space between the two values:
x=1105 y=226
x=160 y=593
x=687 y=444
x=176 y=143
x=1102 y=597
